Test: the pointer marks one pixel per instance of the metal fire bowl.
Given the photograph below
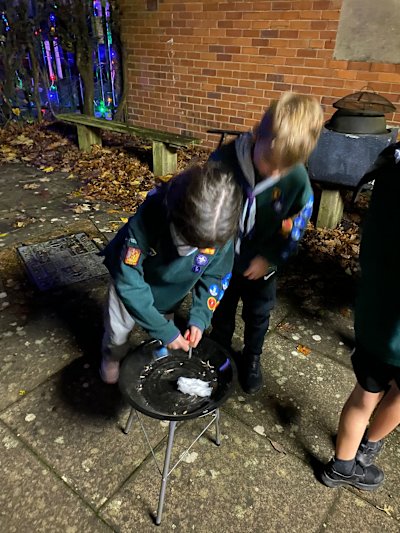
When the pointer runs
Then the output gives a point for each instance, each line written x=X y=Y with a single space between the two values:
x=150 y=385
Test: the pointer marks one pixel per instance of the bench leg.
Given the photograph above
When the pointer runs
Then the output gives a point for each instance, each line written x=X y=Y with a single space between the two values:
x=87 y=137
x=330 y=209
x=164 y=159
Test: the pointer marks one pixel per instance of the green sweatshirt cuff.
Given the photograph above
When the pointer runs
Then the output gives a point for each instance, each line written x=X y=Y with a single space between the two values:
x=167 y=333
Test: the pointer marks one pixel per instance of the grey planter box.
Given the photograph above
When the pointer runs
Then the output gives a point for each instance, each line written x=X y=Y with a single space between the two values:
x=342 y=159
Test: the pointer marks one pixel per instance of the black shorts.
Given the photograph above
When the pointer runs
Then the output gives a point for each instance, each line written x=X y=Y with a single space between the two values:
x=373 y=375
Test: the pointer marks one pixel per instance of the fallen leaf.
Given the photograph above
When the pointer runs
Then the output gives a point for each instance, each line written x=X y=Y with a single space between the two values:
x=165 y=178
x=388 y=509
x=48 y=169
x=124 y=219
x=278 y=447
x=303 y=349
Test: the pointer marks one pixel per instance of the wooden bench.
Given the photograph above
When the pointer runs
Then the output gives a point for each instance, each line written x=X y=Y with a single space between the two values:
x=164 y=144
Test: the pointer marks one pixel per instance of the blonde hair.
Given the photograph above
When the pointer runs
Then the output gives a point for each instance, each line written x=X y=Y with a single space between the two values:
x=296 y=122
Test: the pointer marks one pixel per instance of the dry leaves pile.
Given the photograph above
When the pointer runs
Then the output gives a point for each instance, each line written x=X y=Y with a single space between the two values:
x=341 y=245
x=118 y=172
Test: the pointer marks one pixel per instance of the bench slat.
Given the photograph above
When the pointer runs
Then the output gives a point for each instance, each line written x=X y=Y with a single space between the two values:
x=119 y=127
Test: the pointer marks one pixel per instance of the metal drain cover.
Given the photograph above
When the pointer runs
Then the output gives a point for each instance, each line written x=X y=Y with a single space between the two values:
x=62 y=261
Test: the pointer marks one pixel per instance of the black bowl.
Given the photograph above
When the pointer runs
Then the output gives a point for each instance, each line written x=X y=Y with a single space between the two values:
x=150 y=384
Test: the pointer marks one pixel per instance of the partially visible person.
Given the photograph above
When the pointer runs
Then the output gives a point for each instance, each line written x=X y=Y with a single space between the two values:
x=268 y=163
x=376 y=359
x=180 y=240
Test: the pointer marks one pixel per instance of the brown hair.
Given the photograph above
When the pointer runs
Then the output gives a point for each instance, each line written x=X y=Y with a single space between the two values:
x=204 y=204
x=296 y=122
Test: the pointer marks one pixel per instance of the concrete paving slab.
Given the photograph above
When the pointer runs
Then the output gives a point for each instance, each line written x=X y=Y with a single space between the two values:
x=31 y=353
x=387 y=498
x=352 y=513
x=73 y=422
x=26 y=188
x=40 y=337
x=300 y=402
x=33 y=498
x=330 y=334
x=242 y=486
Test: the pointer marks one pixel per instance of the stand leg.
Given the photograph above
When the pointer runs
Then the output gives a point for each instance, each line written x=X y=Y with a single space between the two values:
x=217 y=428
x=129 y=422
x=172 y=426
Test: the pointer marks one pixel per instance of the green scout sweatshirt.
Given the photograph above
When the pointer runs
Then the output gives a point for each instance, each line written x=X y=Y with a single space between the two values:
x=282 y=209
x=152 y=279
x=377 y=313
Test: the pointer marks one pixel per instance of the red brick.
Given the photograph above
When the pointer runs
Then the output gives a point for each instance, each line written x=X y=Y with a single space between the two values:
x=229 y=59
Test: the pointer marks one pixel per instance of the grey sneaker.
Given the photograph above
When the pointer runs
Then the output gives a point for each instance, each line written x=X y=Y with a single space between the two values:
x=363 y=477
x=367 y=451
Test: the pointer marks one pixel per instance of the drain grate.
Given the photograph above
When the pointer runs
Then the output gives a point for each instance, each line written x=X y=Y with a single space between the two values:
x=62 y=261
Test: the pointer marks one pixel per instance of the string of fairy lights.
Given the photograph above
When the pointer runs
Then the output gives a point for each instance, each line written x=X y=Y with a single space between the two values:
x=61 y=67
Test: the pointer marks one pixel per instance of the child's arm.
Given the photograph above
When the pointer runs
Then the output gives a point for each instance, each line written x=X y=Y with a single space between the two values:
x=210 y=288
x=137 y=297
x=125 y=262
x=285 y=243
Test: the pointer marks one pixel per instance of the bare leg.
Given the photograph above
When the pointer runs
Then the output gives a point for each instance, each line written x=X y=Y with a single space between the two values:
x=387 y=415
x=353 y=421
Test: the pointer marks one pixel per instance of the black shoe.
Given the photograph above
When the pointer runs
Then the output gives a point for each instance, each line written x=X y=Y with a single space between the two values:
x=250 y=376
x=367 y=451
x=363 y=477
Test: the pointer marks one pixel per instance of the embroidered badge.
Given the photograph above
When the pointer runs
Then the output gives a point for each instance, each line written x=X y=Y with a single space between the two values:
x=211 y=303
x=214 y=290
x=306 y=212
x=225 y=281
x=196 y=269
x=276 y=192
x=277 y=200
x=287 y=226
x=132 y=256
x=295 y=235
x=299 y=222
x=201 y=260
x=209 y=251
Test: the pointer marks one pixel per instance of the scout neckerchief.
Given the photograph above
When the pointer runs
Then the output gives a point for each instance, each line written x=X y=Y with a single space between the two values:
x=243 y=146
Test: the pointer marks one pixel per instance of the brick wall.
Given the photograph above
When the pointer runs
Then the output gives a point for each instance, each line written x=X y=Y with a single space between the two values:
x=207 y=64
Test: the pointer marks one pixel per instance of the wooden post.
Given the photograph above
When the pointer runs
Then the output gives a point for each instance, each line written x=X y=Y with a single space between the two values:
x=330 y=209
x=87 y=137
x=165 y=159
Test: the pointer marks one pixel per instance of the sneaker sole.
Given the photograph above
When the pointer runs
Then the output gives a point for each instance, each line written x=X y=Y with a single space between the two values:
x=334 y=483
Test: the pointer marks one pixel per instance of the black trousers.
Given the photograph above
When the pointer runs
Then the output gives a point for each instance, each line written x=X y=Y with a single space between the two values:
x=258 y=297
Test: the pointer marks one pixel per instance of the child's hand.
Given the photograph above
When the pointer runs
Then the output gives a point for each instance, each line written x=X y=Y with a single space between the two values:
x=257 y=269
x=193 y=335
x=179 y=344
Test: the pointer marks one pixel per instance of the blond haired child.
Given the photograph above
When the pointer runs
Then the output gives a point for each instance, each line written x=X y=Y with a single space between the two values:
x=268 y=163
